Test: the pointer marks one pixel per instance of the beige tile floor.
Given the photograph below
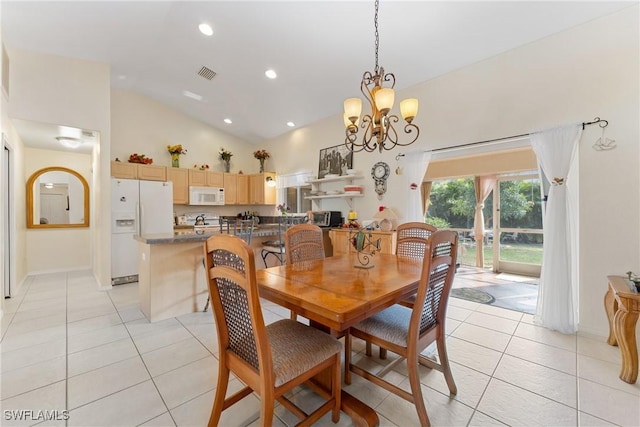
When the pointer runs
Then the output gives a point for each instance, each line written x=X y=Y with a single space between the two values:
x=67 y=346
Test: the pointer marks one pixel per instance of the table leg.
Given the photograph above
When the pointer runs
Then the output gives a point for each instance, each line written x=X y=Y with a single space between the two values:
x=625 y=331
x=610 y=307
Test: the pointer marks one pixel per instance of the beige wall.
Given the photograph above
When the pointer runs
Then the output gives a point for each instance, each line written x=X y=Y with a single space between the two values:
x=508 y=161
x=144 y=126
x=72 y=92
x=573 y=76
x=57 y=249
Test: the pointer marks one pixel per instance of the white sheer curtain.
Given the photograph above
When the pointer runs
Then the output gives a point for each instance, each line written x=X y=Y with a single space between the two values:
x=483 y=185
x=557 y=293
x=417 y=164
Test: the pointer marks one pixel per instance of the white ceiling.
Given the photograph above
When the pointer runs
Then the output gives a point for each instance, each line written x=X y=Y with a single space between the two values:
x=319 y=49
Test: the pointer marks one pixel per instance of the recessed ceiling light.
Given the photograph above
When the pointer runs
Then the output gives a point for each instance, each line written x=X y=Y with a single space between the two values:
x=228 y=121
x=205 y=29
x=122 y=77
x=271 y=74
x=192 y=95
x=291 y=124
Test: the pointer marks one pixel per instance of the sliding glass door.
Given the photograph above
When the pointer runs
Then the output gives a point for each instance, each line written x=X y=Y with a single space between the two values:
x=518 y=224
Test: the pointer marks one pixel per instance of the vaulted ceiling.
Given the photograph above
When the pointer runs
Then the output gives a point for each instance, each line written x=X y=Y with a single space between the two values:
x=319 y=49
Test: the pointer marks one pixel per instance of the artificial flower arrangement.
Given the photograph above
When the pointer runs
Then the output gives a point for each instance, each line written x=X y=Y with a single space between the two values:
x=225 y=154
x=201 y=167
x=261 y=154
x=176 y=149
x=139 y=158
x=283 y=208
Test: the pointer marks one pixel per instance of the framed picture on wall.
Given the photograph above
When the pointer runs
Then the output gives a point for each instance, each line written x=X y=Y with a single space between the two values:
x=335 y=161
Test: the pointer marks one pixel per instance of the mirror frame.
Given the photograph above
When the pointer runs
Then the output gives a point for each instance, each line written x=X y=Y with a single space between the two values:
x=34 y=179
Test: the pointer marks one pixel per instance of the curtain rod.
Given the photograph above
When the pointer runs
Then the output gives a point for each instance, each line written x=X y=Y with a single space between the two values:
x=601 y=122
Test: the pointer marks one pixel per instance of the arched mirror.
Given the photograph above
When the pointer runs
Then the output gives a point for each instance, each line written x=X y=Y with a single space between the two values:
x=57 y=197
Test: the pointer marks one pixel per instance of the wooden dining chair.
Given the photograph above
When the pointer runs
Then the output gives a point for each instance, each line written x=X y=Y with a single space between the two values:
x=270 y=359
x=243 y=228
x=303 y=242
x=276 y=248
x=411 y=242
x=408 y=331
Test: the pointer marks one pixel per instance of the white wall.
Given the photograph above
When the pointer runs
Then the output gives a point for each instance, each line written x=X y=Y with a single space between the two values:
x=72 y=92
x=59 y=249
x=590 y=70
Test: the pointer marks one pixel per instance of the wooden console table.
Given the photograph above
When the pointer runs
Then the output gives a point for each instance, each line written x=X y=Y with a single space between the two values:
x=623 y=306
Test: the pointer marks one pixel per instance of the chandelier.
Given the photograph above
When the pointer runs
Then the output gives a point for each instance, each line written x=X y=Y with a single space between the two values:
x=379 y=130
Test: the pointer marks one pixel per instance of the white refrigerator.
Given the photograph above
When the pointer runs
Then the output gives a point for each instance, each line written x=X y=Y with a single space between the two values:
x=137 y=208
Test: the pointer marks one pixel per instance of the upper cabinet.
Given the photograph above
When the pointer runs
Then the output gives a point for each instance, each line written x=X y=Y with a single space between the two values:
x=152 y=173
x=260 y=190
x=180 y=179
x=230 y=188
x=242 y=191
x=205 y=178
x=125 y=170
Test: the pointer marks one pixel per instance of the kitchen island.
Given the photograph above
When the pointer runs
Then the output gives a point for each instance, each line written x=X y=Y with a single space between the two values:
x=172 y=278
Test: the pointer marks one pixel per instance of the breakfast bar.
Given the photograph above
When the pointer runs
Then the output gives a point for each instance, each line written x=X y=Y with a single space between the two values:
x=171 y=278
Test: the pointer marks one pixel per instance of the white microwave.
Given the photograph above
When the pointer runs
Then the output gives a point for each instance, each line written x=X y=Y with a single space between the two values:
x=206 y=196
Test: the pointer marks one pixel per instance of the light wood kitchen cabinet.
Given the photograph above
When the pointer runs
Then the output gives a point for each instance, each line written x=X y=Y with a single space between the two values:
x=152 y=173
x=342 y=245
x=242 y=191
x=124 y=170
x=260 y=192
x=180 y=179
x=203 y=178
x=230 y=188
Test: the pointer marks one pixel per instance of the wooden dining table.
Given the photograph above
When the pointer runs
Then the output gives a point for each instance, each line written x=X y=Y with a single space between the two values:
x=334 y=294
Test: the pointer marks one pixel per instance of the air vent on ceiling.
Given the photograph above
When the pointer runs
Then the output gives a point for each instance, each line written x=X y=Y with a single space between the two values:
x=207 y=73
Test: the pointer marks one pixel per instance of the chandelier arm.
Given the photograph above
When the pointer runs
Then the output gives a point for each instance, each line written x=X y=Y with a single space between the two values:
x=390 y=77
x=409 y=128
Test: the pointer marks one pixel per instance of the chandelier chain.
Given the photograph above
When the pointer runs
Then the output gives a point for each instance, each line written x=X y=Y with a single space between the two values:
x=375 y=21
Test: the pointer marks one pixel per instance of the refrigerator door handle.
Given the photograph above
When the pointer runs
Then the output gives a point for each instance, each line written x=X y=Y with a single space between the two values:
x=140 y=216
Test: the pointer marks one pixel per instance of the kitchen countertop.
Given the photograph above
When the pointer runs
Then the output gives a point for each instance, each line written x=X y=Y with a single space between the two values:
x=187 y=235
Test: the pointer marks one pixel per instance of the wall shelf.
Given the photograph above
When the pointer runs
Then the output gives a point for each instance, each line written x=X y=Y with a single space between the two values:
x=317 y=183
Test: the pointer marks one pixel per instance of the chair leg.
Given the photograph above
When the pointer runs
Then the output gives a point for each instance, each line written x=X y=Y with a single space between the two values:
x=267 y=404
x=335 y=389
x=368 y=348
x=444 y=362
x=293 y=315
x=221 y=391
x=206 y=306
x=347 y=358
x=416 y=390
x=383 y=353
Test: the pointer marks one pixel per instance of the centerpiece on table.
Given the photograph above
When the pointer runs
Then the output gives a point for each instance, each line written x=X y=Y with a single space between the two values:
x=365 y=245
x=176 y=151
x=261 y=155
x=225 y=156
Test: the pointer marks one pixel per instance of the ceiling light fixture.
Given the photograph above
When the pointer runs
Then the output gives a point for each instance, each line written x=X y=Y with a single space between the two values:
x=379 y=130
x=69 y=142
x=270 y=182
x=192 y=95
x=205 y=29
x=228 y=121
x=271 y=74
x=291 y=124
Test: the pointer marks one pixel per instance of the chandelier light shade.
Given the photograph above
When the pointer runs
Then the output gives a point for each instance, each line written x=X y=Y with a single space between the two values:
x=379 y=131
